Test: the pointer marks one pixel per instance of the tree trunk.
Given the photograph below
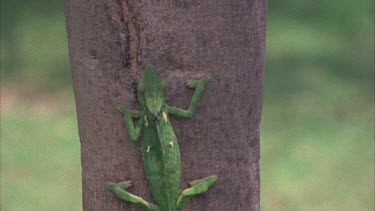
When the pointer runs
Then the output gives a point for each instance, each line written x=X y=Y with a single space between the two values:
x=110 y=41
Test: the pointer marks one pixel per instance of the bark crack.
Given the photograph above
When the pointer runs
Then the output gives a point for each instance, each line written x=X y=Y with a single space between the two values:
x=122 y=15
x=127 y=29
x=129 y=20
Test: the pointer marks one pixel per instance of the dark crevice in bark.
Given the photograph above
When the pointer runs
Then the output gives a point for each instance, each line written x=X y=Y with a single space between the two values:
x=129 y=20
x=133 y=46
x=123 y=16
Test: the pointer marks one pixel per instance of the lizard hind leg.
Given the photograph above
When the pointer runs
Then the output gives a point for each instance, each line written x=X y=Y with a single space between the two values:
x=120 y=190
x=197 y=187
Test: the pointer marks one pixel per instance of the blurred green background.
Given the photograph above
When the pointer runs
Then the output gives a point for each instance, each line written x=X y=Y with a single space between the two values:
x=317 y=130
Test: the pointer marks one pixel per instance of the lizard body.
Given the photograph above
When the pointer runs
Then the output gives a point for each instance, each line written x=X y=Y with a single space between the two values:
x=160 y=149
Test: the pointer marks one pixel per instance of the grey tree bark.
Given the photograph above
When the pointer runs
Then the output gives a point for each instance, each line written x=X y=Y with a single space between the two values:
x=110 y=41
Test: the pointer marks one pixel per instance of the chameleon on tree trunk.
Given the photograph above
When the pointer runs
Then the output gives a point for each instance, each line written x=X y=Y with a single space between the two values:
x=160 y=150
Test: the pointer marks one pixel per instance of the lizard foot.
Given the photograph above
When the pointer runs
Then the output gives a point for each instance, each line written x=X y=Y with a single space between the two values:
x=120 y=190
x=195 y=83
x=197 y=187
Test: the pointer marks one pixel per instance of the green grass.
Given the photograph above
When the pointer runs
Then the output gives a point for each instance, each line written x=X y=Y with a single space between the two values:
x=318 y=155
x=317 y=129
x=40 y=162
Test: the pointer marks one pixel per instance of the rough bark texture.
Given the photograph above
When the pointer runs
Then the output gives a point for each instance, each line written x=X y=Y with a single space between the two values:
x=110 y=41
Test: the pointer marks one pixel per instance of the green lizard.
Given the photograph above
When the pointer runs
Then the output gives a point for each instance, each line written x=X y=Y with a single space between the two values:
x=160 y=150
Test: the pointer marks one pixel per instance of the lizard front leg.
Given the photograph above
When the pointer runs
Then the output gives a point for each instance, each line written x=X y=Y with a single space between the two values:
x=197 y=187
x=120 y=190
x=128 y=118
x=199 y=87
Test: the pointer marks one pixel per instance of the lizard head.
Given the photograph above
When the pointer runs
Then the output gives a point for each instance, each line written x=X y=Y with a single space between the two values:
x=151 y=90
